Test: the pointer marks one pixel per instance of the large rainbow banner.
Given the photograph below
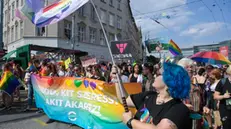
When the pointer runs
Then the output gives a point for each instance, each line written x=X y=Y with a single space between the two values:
x=87 y=103
x=43 y=16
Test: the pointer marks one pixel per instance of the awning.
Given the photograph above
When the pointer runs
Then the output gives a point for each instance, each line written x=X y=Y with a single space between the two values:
x=8 y=55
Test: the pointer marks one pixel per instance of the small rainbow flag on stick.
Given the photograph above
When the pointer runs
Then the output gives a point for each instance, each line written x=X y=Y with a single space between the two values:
x=174 y=49
x=9 y=82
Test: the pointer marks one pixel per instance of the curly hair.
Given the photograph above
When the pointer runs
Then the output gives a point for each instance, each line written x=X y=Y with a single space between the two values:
x=177 y=80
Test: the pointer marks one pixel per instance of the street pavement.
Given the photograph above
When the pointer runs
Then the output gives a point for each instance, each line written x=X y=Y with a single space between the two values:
x=17 y=119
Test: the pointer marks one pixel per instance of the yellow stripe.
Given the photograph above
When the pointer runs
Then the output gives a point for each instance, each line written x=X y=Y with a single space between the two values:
x=40 y=122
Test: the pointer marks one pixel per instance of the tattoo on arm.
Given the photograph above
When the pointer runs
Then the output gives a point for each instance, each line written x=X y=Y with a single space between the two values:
x=172 y=125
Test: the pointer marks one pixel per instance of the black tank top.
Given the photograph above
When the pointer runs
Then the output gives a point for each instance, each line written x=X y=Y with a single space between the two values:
x=133 y=78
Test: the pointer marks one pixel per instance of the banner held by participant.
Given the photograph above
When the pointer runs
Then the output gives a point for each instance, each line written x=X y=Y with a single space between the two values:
x=85 y=102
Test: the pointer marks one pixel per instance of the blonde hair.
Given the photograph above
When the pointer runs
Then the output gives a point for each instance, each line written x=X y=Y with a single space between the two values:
x=184 y=62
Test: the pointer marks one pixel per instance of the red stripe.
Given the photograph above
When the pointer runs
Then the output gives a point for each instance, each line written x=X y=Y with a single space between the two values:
x=211 y=55
x=52 y=6
x=174 y=44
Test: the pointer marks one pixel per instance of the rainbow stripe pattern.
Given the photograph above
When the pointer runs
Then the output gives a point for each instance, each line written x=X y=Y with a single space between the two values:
x=9 y=82
x=88 y=103
x=52 y=13
x=145 y=117
x=174 y=49
x=210 y=57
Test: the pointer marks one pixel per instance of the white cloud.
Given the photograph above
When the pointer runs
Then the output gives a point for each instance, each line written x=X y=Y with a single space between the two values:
x=178 y=16
x=202 y=8
x=203 y=29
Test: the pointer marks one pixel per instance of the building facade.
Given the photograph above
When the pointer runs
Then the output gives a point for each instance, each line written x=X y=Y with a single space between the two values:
x=84 y=33
x=1 y=25
x=211 y=47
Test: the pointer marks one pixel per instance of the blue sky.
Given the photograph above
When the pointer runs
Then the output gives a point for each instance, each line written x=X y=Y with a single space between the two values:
x=188 y=25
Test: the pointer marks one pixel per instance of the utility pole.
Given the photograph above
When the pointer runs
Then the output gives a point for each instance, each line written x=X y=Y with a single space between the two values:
x=73 y=32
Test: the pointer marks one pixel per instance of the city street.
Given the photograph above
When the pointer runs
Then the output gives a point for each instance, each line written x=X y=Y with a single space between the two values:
x=17 y=119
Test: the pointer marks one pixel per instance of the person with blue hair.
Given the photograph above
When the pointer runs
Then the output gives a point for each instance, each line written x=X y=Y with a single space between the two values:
x=163 y=108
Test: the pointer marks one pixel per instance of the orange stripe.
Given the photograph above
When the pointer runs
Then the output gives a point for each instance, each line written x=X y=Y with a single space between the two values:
x=174 y=45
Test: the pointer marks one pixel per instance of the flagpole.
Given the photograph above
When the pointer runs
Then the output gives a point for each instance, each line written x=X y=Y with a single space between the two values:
x=113 y=61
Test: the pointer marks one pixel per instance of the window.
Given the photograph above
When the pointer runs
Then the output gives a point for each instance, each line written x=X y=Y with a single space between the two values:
x=104 y=1
x=81 y=33
x=111 y=3
x=9 y=14
x=119 y=5
x=13 y=11
x=111 y=19
x=93 y=14
x=103 y=16
x=8 y=35
x=119 y=20
x=102 y=38
x=111 y=37
x=22 y=2
x=6 y=16
x=16 y=3
x=21 y=29
x=12 y=34
x=5 y=37
x=16 y=31
x=40 y=31
x=119 y=36
x=81 y=11
x=92 y=35
x=67 y=29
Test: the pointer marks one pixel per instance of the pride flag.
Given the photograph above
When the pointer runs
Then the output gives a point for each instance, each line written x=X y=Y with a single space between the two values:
x=43 y=16
x=18 y=14
x=9 y=82
x=174 y=49
x=88 y=103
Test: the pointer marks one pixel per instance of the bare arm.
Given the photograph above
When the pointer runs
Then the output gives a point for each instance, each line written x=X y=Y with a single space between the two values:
x=128 y=100
x=164 y=124
x=218 y=96
x=130 y=76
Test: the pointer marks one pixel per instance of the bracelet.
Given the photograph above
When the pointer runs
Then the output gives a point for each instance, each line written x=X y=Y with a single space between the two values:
x=129 y=123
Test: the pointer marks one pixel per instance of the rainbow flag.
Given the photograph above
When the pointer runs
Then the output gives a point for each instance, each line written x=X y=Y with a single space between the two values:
x=19 y=15
x=9 y=82
x=43 y=16
x=174 y=49
x=88 y=103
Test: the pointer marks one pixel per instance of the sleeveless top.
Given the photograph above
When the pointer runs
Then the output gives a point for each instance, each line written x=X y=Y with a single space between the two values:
x=133 y=78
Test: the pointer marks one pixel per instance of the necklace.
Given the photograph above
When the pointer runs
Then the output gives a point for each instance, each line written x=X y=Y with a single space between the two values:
x=160 y=101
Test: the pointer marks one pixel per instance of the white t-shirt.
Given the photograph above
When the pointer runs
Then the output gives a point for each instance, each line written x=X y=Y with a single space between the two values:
x=140 y=78
x=213 y=86
x=124 y=79
x=61 y=73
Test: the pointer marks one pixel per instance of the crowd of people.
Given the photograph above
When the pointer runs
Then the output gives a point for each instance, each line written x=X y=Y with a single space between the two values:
x=204 y=90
